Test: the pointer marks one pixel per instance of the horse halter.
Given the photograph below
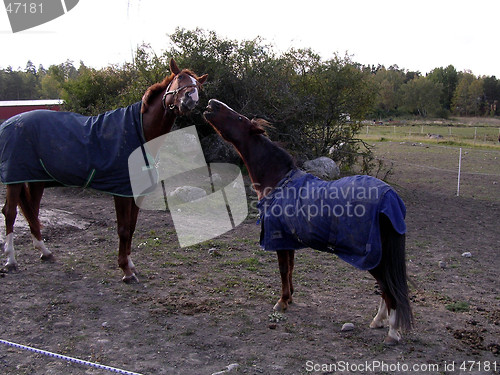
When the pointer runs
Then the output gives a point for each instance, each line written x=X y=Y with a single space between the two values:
x=174 y=93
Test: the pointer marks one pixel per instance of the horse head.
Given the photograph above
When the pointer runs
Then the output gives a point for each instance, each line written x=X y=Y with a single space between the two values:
x=181 y=91
x=231 y=125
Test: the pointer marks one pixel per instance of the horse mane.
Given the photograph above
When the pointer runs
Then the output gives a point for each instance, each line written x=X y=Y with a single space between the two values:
x=154 y=90
x=261 y=125
x=280 y=154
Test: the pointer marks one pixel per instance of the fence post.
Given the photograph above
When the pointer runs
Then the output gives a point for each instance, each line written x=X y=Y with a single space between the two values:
x=459 y=168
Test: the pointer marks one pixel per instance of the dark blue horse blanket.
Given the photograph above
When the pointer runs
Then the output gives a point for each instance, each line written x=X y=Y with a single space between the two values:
x=71 y=149
x=339 y=216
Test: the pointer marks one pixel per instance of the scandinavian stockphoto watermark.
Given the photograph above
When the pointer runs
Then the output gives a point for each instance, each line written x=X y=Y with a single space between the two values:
x=376 y=366
x=309 y=201
x=24 y=15
x=205 y=200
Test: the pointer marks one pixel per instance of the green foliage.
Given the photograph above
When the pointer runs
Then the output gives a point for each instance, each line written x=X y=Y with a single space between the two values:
x=467 y=99
x=448 y=78
x=460 y=306
x=94 y=91
x=389 y=82
x=315 y=106
x=421 y=96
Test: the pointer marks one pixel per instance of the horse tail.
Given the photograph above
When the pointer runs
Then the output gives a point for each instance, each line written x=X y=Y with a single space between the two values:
x=27 y=207
x=394 y=277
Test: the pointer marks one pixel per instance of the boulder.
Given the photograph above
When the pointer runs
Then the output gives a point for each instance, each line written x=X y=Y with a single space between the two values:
x=185 y=194
x=322 y=167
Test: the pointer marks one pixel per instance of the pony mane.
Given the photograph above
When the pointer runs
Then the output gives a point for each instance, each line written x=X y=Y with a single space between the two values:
x=154 y=90
x=261 y=124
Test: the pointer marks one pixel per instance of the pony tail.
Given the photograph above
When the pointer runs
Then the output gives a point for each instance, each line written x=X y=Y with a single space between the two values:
x=394 y=274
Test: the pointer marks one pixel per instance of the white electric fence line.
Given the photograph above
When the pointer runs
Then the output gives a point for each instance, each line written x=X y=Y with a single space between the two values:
x=459 y=168
x=66 y=358
x=396 y=162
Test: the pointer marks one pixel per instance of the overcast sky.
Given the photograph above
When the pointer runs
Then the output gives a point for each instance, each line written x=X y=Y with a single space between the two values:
x=415 y=35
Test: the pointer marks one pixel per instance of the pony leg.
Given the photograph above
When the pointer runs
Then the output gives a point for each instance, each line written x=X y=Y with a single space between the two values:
x=30 y=206
x=285 y=273
x=378 y=321
x=393 y=337
x=9 y=210
x=124 y=215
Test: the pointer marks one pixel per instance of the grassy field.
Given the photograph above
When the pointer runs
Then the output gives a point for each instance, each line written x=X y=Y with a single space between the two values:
x=405 y=149
x=459 y=131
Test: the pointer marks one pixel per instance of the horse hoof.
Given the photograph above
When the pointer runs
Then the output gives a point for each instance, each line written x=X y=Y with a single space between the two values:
x=48 y=258
x=390 y=341
x=280 y=307
x=376 y=325
x=132 y=279
x=10 y=268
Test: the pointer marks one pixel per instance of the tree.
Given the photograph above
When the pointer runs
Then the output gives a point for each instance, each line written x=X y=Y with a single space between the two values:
x=389 y=83
x=492 y=95
x=94 y=91
x=309 y=101
x=448 y=77
x=468 y=95
x=421 y=96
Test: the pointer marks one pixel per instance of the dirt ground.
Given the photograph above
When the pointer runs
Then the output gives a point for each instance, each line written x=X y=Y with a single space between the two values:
x=198 y=312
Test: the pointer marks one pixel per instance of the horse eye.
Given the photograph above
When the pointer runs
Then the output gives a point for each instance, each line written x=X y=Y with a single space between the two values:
x=239 y=118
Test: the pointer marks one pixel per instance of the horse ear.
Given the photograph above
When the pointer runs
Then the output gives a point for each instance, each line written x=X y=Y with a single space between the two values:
x=145 y=100
x=202 y=79
x=173 y=67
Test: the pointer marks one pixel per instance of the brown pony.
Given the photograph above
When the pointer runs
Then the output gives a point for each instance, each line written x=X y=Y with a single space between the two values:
x=273 y=173
x=176 y=95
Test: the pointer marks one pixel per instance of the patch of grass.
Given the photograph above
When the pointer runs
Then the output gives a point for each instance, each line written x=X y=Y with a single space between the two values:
x=277 y=317
x=460 y=306
x=251 y=264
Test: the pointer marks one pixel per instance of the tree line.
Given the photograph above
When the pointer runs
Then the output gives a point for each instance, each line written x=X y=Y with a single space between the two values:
x=315 y=106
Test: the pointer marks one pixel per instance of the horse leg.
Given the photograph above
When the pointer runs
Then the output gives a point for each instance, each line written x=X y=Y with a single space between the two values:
x=9 y=210
x=133 y=221
x=386 y=310
x=30 y=206
x=285 y=273
x=378 y=320
x=124 y=214
x=393 y=337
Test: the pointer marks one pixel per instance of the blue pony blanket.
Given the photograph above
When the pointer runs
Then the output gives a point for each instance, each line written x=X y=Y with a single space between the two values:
x=339 y=216
x=71 y=149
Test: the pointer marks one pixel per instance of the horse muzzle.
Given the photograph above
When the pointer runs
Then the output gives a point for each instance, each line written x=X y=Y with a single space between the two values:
x=211 y=109
x=188 y=103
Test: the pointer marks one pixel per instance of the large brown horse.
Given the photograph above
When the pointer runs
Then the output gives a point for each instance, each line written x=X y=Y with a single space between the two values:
x=360 y=218
x=46 y=148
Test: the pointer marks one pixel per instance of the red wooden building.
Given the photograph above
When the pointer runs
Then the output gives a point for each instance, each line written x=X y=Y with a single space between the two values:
x=11 y=108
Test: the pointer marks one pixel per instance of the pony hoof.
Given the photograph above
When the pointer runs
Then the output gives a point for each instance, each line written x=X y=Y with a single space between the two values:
x=280 y=307
x=48 y=258
x=10 y=268
x=132 y=279
x=376 y=325
x=390 y=341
